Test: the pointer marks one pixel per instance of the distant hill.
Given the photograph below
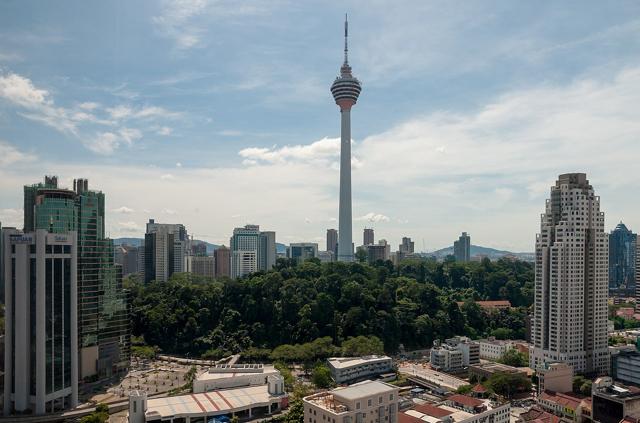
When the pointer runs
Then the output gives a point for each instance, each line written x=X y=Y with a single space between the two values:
x=136 y=242
x=477 y=250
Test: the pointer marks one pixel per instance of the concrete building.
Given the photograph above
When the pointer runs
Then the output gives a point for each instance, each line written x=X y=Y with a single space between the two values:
x=486 y=370
x=127 y=257
x=611 y=403
x=352 y=369
x=625 y=365
x=301 y=251
x=251 y=250
x=364 y=402
x=345 y=90
x=407 y=246
x=557 y=377
x=493 y=349
x=166 y=246
x=571 y=280
x=566 y=405
x=457 y=409
x=222 y=259
x=245 y=403
x=377 y=252
x=332 y=241
x=41 y=321
x=368 y=237
x=225 y=376
x=326 y=256
x=637 y=283
x=454 y=354
x=201 y=266
x=622 y=258
x=462 y=248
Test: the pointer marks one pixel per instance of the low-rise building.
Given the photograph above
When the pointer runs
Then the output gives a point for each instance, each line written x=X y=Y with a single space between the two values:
x=457 y=409
x=566 y=405
x=201 y=265
x=455 y=354
x=244 y=402
x=225 y=376
x=491 y=305
x=352 y=369
x=364 y=402
x=486 y=370
x=493 y=349
x=557 y=377
x=611 y=403
x=625 y=364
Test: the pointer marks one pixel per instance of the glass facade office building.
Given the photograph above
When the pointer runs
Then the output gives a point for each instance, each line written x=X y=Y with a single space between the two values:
x=103 y=315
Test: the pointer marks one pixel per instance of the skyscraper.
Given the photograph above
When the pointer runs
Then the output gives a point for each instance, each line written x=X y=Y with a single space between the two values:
x=103 y=319
x=332 y=240
x=252 y=250
x=571 y=274
x=622 y=258
x=166 y=246
x=41 y=321
x=222 y=256
x=301 y=251
x=345 y=89
x=407 y=246
x=367 y=236
x=462 y=248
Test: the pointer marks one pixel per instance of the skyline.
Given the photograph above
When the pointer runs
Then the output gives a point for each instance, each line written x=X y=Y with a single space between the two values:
x=443 y=135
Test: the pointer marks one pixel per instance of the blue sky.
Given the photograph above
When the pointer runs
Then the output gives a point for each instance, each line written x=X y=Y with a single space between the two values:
x=218 y=113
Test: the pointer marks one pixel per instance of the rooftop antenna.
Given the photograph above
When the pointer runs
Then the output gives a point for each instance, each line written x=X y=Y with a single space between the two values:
x=346 y=36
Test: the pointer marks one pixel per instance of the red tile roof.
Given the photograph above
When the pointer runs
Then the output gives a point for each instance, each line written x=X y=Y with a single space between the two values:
x=465 y=400
x=562 y=399
x=536 y=415
x=479 y=389
x=432 y=410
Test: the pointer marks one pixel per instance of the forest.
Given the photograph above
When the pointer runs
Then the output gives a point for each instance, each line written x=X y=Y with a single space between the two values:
x=298 y=307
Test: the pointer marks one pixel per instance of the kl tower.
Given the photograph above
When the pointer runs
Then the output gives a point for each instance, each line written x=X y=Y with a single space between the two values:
x=345 y=89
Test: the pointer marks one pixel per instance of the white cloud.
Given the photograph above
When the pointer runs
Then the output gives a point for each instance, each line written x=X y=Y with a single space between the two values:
x=326 y=149
x=104 y=143
x=167 y=177
x=181 y=20
x=178 y=164
x=89 y=105
x=20 y=90
x=169 y=211
x=374 y=217
x=123 y=210
x=130 y=134
x=11 y=217
x=130 y=227
x=10 y=155
x=165 y=130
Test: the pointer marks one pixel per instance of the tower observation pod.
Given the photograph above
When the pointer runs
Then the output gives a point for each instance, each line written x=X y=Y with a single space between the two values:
x=345 y=90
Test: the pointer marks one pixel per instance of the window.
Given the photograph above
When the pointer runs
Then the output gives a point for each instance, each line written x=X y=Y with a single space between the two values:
x=369 y=403
x=135 y=403
x=357 y=405
x=67 y=249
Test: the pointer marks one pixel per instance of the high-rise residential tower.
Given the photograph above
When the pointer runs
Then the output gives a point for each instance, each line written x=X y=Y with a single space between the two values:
x=622 y=258
x=332 y=240
x=345 y=89
x=462 y=248
x=103 y=313
x=367 y=236
x=571 y=279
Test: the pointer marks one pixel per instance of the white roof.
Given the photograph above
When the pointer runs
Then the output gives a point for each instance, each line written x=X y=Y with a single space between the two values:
x=363 y=390
x=343 y=362
x=212 y=374
x=210 y=403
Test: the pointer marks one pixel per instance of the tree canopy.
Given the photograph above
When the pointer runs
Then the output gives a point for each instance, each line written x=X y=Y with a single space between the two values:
x=313 y=310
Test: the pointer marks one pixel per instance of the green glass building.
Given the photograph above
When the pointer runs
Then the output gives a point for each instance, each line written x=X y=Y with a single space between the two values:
x=103 y=313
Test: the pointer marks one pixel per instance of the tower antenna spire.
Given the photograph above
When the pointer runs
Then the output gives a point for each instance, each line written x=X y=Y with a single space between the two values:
x=346 y=36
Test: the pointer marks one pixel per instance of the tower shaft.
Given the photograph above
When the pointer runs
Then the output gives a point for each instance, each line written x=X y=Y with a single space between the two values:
x=345 y=245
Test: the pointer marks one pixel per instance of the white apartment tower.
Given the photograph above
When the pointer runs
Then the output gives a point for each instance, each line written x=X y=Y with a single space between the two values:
x=41 y=321
x=571 y=280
